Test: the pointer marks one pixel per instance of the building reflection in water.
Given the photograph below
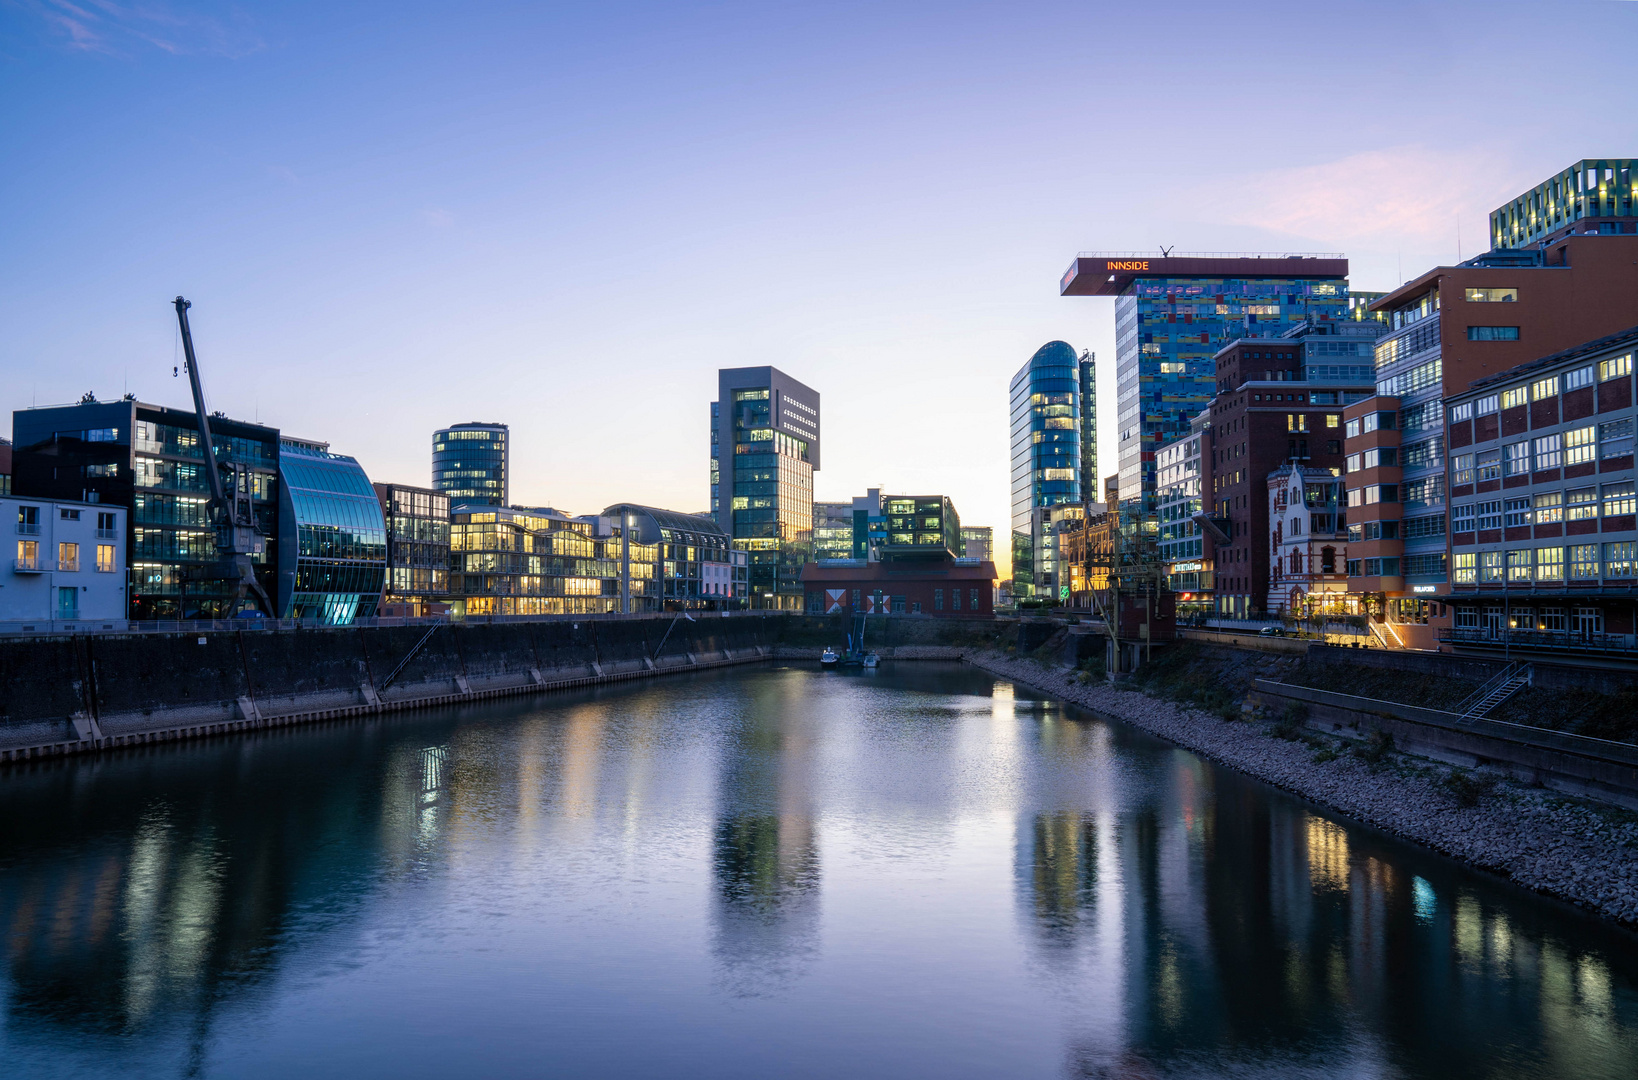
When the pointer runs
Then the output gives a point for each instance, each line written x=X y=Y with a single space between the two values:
x=765 y=852
x=1233 y=921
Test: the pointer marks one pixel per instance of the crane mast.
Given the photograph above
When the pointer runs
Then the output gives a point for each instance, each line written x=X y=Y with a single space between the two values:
x=238 y=535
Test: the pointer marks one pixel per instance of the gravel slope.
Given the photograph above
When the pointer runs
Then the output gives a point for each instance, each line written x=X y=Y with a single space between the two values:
x=1582 y=852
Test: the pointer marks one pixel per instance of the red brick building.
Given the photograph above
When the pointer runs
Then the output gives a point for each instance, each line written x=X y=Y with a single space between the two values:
x=952 y=589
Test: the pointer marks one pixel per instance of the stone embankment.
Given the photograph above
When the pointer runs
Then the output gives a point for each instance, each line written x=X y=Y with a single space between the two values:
x=1581 y=852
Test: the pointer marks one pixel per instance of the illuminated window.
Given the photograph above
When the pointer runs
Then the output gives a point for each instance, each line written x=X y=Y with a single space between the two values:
x=1512 y=399
x=1615 y=367
x=105 y=558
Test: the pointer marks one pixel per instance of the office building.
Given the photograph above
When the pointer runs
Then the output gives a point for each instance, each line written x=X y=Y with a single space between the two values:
x=68 y=570
x=764 y=452
x=1448 y=328
x=417 y=520
x=508 y=560
x=832 y=530
x=472 y=464
x=333 y=558
x=698 y=568
x=1543 y=526
x=1046 y=461
x=1089 y=423
x=1594 y=196
x=149 y=460
x=1182 y=476
x=978 y=542
x=1173 y=314
x=921 y=528
x=1307 y=543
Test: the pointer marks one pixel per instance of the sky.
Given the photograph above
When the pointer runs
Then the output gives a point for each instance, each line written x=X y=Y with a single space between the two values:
x=393 y=217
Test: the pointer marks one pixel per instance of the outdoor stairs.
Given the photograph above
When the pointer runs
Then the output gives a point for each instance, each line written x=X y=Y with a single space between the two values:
x=1479 y=704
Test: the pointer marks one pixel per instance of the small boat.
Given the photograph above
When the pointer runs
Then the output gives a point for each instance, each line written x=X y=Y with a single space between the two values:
x=828 y=658
x=871 y=660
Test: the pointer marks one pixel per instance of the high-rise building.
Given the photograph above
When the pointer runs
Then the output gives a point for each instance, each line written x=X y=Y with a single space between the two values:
x=764 y=452
x=1173 y=314
x=1046 y=461
x=1592 y=196
x=471 y=463
x=1089 y=424
x=150 y=460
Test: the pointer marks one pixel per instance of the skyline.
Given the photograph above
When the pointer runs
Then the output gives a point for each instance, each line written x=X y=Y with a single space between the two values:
x=390 y=225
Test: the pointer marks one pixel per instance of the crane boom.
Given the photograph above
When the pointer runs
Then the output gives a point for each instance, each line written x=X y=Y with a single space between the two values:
x=238 y=536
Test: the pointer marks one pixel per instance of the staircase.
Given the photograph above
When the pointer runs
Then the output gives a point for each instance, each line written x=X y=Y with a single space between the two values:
x=1513 y=678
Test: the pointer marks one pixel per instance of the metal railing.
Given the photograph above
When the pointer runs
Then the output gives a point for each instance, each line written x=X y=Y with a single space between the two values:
x=25 y=528
x=35 y=565
x=1541 y=639
x=1503 y=686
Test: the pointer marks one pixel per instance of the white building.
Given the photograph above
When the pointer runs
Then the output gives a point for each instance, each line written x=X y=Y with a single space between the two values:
x=67 y=570
x=1307 y=561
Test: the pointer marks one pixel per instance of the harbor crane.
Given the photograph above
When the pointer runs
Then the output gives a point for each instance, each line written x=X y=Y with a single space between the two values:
x=239 y=537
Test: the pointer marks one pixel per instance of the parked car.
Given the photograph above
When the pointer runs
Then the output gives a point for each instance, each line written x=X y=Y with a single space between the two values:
x=1271 y=631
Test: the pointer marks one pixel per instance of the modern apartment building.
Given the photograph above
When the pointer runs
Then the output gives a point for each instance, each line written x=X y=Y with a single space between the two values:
x=149 y=460
x=1543 y=525
x=1046 y=462
x=1173 y=313
x=698 y=567
x=417 y=550
x=472 y=464
x=333 y=561
x=509 y=560
x=764 y=452
x=1449 y=328
x=1595 y=195
x=1182 y=475
x=68 y=569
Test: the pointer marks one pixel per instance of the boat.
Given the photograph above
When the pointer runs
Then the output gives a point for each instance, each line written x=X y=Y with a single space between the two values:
x=828 y=658
x=870 y=660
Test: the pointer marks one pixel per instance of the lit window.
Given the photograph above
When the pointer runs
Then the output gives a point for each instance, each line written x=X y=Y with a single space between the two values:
x=1512 y=399
x=1544 y=388
x=105 y=558
x=1615 y=367
x=1491 y=296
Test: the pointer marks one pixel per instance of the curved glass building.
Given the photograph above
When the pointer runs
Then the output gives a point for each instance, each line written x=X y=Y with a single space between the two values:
x=333 y=561
x=1046 y=461
x=471 y=463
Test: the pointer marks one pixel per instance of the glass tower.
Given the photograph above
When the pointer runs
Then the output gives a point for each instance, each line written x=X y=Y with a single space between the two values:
x=1046 y=460
x=471 y=463
x=1089 y=426
x=764 y=452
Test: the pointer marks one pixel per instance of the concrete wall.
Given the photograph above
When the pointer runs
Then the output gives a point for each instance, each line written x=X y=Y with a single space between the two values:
x=70 y=692
x=1573 y=764
x=1476 y=669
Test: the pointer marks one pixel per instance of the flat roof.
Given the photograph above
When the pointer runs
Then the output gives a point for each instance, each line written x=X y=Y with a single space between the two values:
x=1109 y=273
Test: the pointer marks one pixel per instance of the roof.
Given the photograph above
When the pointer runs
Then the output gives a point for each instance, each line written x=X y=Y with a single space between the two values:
x=1565 y=356
x=889 y=572
x=1109 y=273
x=665 y=519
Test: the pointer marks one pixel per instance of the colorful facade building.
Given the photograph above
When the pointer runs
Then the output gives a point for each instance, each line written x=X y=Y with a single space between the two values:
x=1173 y=314
x=1543 y=526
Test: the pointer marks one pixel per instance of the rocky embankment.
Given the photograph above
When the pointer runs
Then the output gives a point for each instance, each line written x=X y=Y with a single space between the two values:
x=1581 y=852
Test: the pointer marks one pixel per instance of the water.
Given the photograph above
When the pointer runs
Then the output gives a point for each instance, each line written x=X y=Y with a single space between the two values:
x=758 y=873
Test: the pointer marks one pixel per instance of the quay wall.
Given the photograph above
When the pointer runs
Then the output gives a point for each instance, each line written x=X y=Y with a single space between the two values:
x=72 y=694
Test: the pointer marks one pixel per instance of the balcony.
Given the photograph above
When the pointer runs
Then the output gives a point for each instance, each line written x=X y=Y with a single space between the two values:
x=1542 y=640
x=31 y=566
x=28 y=528
x=107 y=534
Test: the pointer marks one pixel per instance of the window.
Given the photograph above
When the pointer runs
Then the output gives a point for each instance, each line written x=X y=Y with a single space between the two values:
x=28 y=555
x=68 y=515
x=1548 y=507
x=1380 y=567
x=1492 y=333
x=955 y=599
x=1467 y=618
x=1512 y=399
x=1516 y=512
x=1427 y=491
x=1351 y=463
x=1296 y=421
x=1578 y=445
x=106 y=526
x=28 y=520
x=1424 y=454
x=1575 y=380
x=1618 y=499
x=1425 y=565
x=1549 y=452
x=1426 y=525
x=1584 y=561
x=1586 y=620
x=1461 y=468
x=1551 y=619
x=1489 y=514
x=1333 y=419
x=1518 y=565
x=1379 y=457
x=1491 y=296
x=1352 y=430
x=1463 y=572
x=973 y=597
x=1618 y=560
x=1516 y=458
x=1488 y=404
x=938 y=599
x=1488 y=464
x=1544 y=388
x=1490 y=566
x=68 y=557
x=1615 y=438
x=1580 y=504
x=1550 y=564
x=1459 y=413
x=1461 y=518
x=105 y=558
x=1615 y=367
x=1377 y=421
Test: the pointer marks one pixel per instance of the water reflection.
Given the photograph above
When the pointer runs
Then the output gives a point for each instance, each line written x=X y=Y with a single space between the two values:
x=693 y=871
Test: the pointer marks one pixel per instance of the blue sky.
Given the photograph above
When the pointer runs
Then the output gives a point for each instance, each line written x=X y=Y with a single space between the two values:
x=393 y=217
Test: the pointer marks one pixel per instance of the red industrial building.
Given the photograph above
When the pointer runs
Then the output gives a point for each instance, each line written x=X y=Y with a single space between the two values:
x=947 y=588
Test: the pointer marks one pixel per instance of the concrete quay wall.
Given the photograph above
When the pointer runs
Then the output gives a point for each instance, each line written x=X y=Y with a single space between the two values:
x=77 y=694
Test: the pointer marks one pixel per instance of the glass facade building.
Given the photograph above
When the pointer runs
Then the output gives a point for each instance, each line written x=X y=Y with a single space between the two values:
x=515 y=561
x=1046 y=460
x=1089 y=426
x=1594 y=195
x=698 y=568
x=150 y=460
x=764 y=452
x=471 y=463
x=333 y=562
x=832 y=530
x=417 y=550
